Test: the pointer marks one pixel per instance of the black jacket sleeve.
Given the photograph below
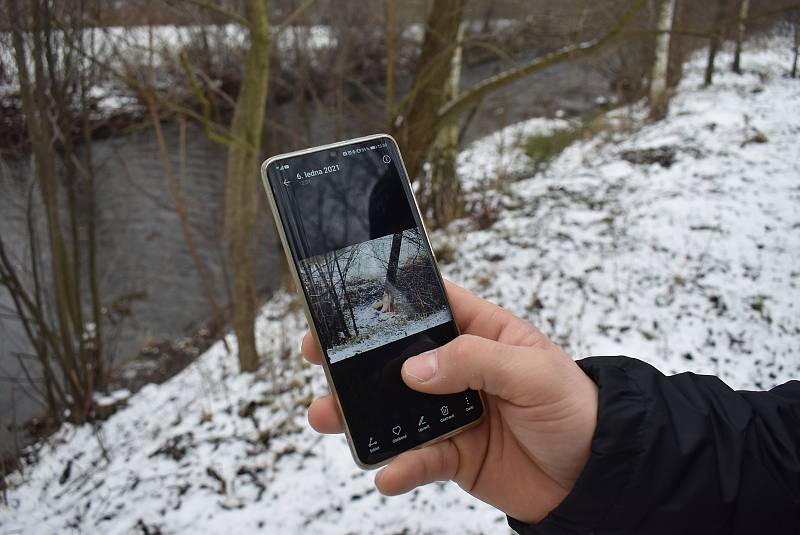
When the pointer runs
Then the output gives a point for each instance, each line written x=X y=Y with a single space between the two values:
x=683 y=455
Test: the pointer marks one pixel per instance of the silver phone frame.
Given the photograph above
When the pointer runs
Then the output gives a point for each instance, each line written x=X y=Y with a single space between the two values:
x=307 y=310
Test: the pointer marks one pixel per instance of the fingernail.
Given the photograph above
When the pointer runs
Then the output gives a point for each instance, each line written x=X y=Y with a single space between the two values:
x=422 y=367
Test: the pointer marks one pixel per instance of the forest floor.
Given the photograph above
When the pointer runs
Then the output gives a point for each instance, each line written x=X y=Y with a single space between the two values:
x=675 y=242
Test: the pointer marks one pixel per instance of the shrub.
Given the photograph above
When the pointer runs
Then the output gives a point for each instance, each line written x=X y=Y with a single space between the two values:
x=542 y=149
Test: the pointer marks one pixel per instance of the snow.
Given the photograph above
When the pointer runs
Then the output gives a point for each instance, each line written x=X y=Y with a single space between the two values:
x=689 y=267
x=387 y=327
x=118 y=396
x=498 y=154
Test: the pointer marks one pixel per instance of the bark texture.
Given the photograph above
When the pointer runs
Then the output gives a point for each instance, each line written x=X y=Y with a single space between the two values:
x=445 y=200
x=418 y=122
x=389 y=288
x=796 y=45
x=240 y=181
x=715 y=41
x=659 y=90
x=741 y=30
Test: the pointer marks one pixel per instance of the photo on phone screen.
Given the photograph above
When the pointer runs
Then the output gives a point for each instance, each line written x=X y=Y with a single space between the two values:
x=374 y=293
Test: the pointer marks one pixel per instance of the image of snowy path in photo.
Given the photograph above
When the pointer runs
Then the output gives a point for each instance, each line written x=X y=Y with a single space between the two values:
x=676 y=242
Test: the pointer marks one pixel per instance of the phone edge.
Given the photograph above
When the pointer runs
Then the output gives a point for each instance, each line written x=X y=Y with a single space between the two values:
x=307 y=311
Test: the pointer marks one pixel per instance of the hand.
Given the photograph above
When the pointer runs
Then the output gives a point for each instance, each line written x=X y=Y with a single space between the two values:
x=541 y=412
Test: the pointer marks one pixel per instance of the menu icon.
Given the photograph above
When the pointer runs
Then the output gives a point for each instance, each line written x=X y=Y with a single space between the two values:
x=422 y=425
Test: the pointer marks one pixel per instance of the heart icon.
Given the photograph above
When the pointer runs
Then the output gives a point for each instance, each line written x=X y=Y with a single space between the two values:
x=396 y=429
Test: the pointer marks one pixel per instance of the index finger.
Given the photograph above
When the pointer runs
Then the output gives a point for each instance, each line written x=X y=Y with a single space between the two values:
x=310 y=349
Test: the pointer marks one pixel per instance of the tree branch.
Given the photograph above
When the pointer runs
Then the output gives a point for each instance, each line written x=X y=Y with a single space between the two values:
x=293 y=16
x=453 y=109
x=219 y=10
x=205 y=106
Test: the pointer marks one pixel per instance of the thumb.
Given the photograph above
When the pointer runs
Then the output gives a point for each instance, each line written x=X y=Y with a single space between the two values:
x=513 y=373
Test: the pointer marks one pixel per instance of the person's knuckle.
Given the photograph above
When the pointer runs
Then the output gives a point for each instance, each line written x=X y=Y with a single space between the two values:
x=461 y=346
x=423 y=470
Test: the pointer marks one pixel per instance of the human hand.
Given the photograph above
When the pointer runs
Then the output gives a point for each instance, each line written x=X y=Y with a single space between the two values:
x=541 y=412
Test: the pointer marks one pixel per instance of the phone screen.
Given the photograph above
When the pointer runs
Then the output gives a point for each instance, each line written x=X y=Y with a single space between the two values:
x=373 y=289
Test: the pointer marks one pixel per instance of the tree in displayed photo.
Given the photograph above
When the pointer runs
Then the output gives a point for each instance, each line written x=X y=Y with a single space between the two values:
x=387 y=304
x=325 y=280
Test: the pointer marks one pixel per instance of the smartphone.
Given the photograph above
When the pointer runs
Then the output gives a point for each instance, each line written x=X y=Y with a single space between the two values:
x=373 y=294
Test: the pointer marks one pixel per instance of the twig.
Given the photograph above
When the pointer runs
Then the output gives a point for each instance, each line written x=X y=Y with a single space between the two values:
x=219 y=10
x=293 y=16
x=452 y=109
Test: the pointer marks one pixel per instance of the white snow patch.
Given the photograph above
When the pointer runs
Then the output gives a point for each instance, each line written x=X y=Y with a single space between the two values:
x=498 y=155
x=381 y=328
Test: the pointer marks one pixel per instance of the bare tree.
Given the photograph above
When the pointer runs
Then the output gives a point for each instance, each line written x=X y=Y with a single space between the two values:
x=796 y=44
x=715 y=40
x=390 y=286
x=242 y=137
x=351 y=255
x=741 y=29
x=326 y=279
x=445 y=199
x=418 y=111
x=659 y=97
x=240 y=181
x=391 y=58
x=424 y=110
x=66 y=339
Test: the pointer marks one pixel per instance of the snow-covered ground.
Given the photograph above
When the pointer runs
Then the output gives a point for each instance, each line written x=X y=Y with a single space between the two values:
x=690 y=267
x=381 y=328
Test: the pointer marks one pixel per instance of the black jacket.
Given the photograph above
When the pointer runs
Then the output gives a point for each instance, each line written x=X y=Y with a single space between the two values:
x=683 y=455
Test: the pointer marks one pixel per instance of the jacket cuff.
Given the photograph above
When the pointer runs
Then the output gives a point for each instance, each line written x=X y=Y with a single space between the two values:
x=616 y=452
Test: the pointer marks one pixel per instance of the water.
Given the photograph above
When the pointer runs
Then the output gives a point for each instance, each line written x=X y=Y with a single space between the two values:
x=140 y=246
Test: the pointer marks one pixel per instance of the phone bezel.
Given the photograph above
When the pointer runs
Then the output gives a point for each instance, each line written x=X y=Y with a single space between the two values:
x=307 y=309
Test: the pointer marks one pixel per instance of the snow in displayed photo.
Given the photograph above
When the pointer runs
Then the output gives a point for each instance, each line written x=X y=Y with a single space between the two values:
x=369 y=294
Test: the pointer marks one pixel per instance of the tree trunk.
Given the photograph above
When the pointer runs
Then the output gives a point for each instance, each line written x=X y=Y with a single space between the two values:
x=240 y=182
x=715 y=41
x=43 y=104
x=659 y=97
x=418 y=120
x=326 y=276
x=679 y=45
x=445 y=198
x=345 y=293
x=796 y=45
x=391 y=58
x=389 y=288
x=416 y=130
x=741 y=28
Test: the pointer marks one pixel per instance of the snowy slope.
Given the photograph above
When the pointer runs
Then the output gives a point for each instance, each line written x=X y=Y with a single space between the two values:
x=691 y=267
x=694 y=266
